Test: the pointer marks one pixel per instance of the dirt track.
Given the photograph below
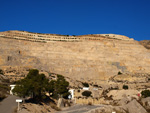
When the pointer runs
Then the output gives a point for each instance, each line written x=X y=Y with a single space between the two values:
x=79 y=109
x=8 y=104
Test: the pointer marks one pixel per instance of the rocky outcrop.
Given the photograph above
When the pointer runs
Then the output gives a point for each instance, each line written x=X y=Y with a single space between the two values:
x=146 y=103
x=91 y=58
x=4 y=87
x=120 y=94
x=134 y=107
x=108 y=109
x=35 y=108
x=131 y=78
x=131 y=107
x=145 y=43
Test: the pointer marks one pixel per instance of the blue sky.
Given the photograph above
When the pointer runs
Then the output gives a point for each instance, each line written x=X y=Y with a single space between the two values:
x=78 y=17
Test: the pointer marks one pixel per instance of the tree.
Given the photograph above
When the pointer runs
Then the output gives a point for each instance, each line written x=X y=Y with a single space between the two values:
x=59 y=87
x=34 y=84
x=51 y=86
x=1 y=72
x=119 y=73
x=125 y=87
x=145 y=93
x=85 y=84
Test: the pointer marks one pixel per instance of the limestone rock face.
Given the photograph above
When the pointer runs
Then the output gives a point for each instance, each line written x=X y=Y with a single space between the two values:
x=131 y=78
x=134 y=107
x=88 y=57
x=146 y=102
x=145 y=43
x=35 y=108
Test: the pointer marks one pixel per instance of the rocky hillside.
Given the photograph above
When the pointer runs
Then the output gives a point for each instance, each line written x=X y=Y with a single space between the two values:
x=145 y=43
x=4 y=86
x=89 y=58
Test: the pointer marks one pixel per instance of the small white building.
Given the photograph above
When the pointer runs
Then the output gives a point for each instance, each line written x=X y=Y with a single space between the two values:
x=71 y=96
x=95 y=88
x=85 y=88
x=11 y=88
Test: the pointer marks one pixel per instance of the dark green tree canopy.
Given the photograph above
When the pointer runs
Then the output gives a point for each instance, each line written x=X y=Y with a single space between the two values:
x=145 y=93
x=34 y=84
x=87 y=93
x=59 y=87
x=85 y=84
x=125 y=87
x=1 y=71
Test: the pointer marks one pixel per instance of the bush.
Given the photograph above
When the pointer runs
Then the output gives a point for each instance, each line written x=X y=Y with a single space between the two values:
x=85 y=84
x=145 y=93
x=1 y=72
x=114 y=88
x=3 y=91
x=90 y=103
x=87 y=93
x=54 y=106
x=125 y=87
x=119 y=73
x=2 y=96
x=95 y=85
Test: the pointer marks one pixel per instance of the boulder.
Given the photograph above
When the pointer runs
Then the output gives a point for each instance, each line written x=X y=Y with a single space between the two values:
x=134 y=107
x=60 y=103
x=146 y=102
x=119 y=94
x=108 y=109
x=124 y=101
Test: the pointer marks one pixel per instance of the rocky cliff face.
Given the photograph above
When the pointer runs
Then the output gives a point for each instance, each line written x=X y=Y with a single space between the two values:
x=145 y=43
x=88 y=57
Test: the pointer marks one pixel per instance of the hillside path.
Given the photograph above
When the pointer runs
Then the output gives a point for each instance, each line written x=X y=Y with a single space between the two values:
x=79 y=109
x=8 y=104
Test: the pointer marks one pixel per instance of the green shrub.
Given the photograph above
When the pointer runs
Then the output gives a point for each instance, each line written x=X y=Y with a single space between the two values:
x=85 y=84
x=87 y=93
x=119 y=73
x=125 y=87
x=2 y=96
x=1 y=72
x=95 y=85
x=145 y=93
x=4 y=87
x=114 y=88
x=3 y=91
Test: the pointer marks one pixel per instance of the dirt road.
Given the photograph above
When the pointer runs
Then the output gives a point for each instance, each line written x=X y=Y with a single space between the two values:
x=8 y=104
x=79 y=109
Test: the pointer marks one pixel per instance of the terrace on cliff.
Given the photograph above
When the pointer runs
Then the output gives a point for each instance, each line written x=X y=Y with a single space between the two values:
x=38 y=37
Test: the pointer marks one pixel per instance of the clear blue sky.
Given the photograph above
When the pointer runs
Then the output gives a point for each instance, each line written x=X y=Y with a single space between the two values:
x=78 y=17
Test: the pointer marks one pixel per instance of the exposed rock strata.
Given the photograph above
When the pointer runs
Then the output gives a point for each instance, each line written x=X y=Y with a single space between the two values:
x=88 y=58
x=145 y=43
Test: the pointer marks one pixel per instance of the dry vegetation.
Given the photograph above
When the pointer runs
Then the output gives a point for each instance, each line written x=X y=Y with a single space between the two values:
x=4 y=88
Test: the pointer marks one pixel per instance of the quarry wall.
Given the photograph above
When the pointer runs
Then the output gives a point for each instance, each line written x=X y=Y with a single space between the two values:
x=88 y=58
